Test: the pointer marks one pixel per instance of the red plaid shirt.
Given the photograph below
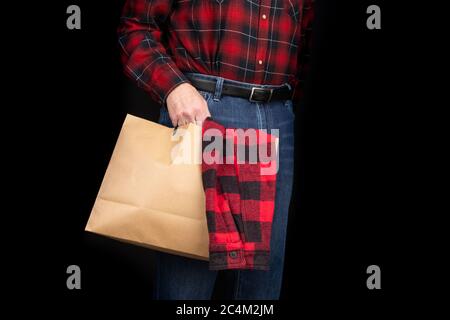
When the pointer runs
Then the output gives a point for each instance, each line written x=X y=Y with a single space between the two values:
x=240 y=197
x=254 y=41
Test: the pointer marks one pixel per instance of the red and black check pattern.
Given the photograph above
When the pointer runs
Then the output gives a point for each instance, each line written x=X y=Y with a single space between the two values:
x=239 y=199
x=254 y=41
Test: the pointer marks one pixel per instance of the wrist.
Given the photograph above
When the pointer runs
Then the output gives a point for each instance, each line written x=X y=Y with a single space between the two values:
x=174 y=89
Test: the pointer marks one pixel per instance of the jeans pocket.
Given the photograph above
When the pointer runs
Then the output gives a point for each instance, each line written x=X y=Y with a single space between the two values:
x=205 y=94
x=288 y=104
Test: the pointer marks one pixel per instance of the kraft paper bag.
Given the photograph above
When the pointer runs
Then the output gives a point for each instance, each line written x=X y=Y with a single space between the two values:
x=151 y=195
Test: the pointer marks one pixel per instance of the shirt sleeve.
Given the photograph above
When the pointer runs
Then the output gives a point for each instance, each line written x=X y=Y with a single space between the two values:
x=304 y=56
x=143 y=53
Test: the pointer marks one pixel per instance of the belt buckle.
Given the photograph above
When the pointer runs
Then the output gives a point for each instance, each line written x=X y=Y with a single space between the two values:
x=256 y=88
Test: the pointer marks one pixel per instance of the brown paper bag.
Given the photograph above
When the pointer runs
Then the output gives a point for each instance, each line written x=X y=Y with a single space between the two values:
x=147 y=198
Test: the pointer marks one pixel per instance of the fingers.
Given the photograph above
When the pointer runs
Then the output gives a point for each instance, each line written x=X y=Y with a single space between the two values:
x=201 y=116
x=182 y=118
x=196 y=116
x=187 y=105
x=204 y=114
x=185 y=118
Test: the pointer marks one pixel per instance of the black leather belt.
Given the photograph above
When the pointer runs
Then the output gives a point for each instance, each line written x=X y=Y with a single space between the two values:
x=253 y=94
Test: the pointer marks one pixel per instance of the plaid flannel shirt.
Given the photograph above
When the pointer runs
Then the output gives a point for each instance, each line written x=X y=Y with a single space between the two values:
x=254 y=41
x=239 y=199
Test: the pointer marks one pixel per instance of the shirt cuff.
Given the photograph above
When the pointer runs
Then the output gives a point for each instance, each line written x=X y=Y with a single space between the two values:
x=165 y=79
x=168 y=91
x=239 y=259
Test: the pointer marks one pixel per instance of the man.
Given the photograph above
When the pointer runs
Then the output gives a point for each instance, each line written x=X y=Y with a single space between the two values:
x=240 y=62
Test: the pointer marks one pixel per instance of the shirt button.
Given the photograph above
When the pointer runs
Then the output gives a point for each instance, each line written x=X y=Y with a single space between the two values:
x=260 y=61
x=233 y=254
x=264 y=16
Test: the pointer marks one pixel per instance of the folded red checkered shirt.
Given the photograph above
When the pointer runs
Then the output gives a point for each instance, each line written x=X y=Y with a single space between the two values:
x=239 y=199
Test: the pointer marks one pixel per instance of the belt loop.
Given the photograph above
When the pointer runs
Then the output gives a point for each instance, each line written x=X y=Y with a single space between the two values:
x=218 y=90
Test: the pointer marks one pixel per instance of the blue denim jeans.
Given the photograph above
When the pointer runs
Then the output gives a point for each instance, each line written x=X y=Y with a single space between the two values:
x=183 y=278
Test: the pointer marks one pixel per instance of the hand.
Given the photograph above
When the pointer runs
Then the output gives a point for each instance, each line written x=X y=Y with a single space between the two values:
x=185 y=104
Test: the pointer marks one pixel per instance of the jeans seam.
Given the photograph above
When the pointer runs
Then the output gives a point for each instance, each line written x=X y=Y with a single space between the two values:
x=237 y=285
x=258 y=114
x=269 y=119
x=158 y=276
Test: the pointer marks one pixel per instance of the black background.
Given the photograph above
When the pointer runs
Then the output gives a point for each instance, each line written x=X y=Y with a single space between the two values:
x=353 y=193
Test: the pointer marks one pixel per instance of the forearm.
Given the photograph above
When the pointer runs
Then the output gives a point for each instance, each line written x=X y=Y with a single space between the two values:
x=304 y=60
